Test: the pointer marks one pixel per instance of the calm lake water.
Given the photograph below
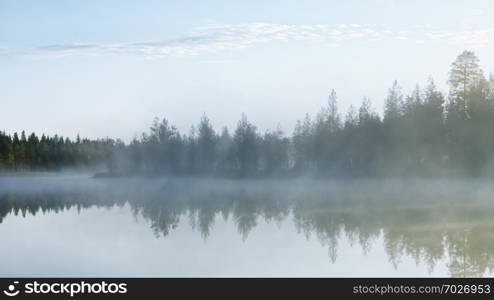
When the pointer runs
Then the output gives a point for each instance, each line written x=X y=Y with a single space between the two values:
x=80 y=226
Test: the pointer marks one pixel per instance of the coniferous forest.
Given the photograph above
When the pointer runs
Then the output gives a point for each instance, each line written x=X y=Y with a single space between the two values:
x=425 y=133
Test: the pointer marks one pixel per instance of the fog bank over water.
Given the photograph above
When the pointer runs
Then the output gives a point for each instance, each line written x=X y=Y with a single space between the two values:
x=212 y=227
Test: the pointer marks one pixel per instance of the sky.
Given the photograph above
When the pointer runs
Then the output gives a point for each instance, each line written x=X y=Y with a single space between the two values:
x=107 y=68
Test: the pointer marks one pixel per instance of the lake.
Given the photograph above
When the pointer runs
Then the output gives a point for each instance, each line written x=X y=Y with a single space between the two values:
x=76 y=225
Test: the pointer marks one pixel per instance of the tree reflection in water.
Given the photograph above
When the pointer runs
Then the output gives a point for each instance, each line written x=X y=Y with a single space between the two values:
x=426 y=220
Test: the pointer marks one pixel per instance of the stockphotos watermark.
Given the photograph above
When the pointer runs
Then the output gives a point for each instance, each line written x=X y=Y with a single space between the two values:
x=71 y=289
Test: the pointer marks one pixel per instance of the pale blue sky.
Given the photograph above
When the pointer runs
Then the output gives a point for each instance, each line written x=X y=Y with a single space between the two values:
x=107 y=68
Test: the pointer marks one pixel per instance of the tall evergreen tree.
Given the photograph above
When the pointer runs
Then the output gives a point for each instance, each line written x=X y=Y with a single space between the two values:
x=246 y=147
x=206 y=143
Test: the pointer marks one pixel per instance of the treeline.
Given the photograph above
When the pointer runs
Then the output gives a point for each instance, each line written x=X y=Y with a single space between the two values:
x=32 y=153
x=425 y=133
x=204 y=152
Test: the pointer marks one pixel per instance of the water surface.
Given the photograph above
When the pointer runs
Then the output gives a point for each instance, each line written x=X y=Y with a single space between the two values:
x=80 y=226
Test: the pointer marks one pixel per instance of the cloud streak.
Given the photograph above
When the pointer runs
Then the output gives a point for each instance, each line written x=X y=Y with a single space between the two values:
x=223 y=37
x=217 y=38
x=471 y=37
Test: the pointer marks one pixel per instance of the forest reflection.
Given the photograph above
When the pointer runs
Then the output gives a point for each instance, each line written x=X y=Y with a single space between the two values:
x=429 y=220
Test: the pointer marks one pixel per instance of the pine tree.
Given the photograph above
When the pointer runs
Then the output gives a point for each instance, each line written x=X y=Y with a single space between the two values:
x=394 y=103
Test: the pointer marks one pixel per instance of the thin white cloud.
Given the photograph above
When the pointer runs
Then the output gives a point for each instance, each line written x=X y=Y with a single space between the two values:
x=217 y=38
x=469 y=37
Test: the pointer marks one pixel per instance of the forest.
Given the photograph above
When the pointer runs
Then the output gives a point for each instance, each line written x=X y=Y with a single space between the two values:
x=425 y=133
